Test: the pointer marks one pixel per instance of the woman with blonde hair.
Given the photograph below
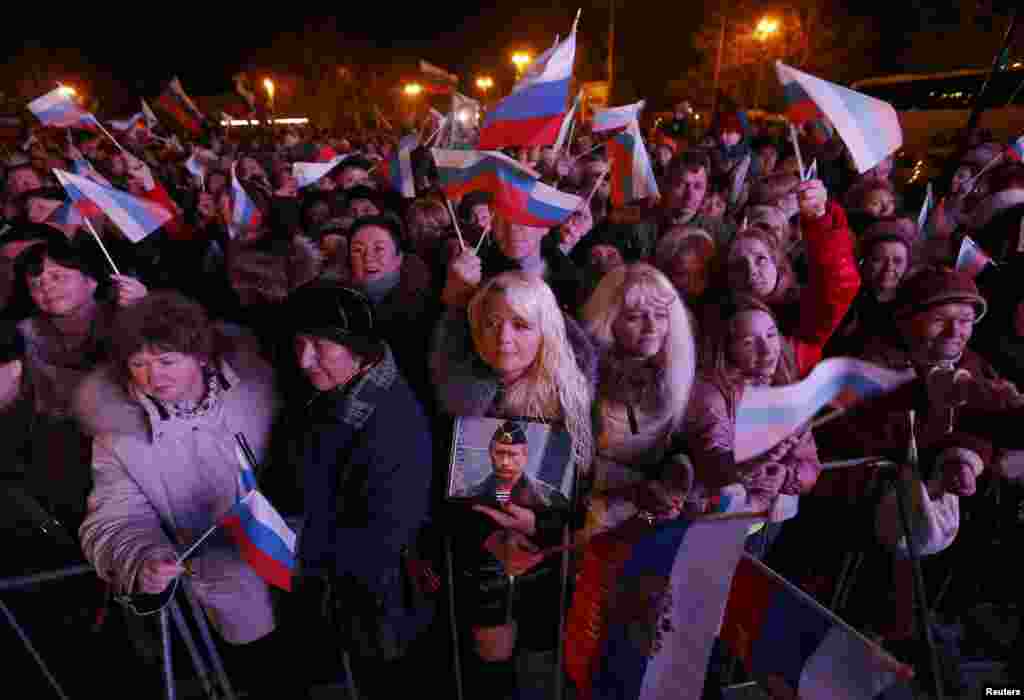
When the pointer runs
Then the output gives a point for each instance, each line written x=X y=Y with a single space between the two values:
x=512 y=353
x=643 y=331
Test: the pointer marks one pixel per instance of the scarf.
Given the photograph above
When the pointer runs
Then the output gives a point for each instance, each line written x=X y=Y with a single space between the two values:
x=379 y=288
x=189 y=410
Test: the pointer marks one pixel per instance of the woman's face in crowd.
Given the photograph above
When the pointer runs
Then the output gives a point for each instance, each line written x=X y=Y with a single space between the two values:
x=689 y=273
x=518 y=242
x=60 y=291
x=481 y=217
x=509 y=343
x=960 y=178
x=167 y=376
x=640 y=330
x=755 y=346
x=752 y=268
x=605 y=258
x=884 y=268
x=23 y=180
x=663 y=155
x=714 y=205
x=940 y=334
x=880 y=203
x=326 y=364
x=373 y=254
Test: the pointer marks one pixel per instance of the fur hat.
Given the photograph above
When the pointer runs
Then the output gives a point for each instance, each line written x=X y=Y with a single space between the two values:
x=510 y=433
x=273 y=271
x=339 y=314
x=934 y=286
x=902 y=230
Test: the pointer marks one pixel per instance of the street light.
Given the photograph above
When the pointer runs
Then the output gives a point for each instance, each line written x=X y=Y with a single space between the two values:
x=765 y=30
x=521 y=59
x=66 y=91
x=484 y=83
x=413 y=89
x=269 y=85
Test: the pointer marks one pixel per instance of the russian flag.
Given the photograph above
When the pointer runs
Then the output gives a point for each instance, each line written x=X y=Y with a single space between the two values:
x=632 y=175
x=869 y=127
x=972 y=259
x=616 y=117
x=519 y=195
x=533 y=113
x=1015 y=152
x=647 y=608
x=58 y=110
x=178 y=104
x=563 y=131
x=136 y=217
x=136 y=122
x=67 y=214
x=768 y=415
x=309 y=173
x=784 y=636
x=265 y=541
x=399 y=167
x=244 y=213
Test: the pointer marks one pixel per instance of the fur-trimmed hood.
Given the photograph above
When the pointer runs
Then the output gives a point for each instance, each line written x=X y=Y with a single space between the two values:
x=276 y=270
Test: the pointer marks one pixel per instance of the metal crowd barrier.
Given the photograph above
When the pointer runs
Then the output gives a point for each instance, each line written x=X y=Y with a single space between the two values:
x=171 y=612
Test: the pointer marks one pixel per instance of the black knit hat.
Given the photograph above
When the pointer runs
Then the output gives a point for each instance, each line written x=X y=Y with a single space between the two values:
x=340 y=314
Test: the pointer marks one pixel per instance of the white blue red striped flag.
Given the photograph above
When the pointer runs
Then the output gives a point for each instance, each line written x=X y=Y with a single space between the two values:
x=135 y=216
x=632 y=175
x=1015 y=151
x=972 y=259
x=869 y=127
x=310 y=173
x=533 y=113
x=616 y=117
x=766 y=416
x=58 y=110
x=399 y=167
x=519 y=195
x=244 y=213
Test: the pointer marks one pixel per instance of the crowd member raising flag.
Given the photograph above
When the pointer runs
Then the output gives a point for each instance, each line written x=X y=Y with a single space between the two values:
x=869 y=127
x=244 y=214
x=766 y=416
x=177 y=103
x=518 y=193
x=632 y=175
x=58 y=110
x=134 y=216
x=398 y=173
x=533 y=113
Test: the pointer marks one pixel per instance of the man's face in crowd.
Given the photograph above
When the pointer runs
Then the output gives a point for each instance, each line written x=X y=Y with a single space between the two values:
x=689 y=190
x=509 y=461
x=940 y=334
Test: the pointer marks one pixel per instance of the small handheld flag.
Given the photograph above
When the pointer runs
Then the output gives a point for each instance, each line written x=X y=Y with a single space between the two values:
x=135 y=216
x=58 y=110
x=616 y=117
x=399 y=167
x=632 y=175
x=869 y=127
x=766 y=416
x=311 y=173
x=972 y=259
x=244 y=213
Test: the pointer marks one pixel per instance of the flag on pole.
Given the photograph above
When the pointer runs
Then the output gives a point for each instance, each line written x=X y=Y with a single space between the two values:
x=151 y=120
x=136 y=121
x=563 y=131
x=438 y=79
x=533 y=113
x=309 y=173
x=648 y=606
x=135 y=216
x=67 y=214
x=869 y=127
x=632 y=176
x=972 y=259
x=1015 y=151
x=616 y=117
x=783 y=636
x=519 y=195
x=398 y=172
x=58 y=110
x=768 y=415
x=926 y=210
x=178 y=104
x=82 y=167
x=244 y=213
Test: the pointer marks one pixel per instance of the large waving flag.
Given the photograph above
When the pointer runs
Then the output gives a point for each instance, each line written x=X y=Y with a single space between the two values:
x=533 y=113
x=399 y=167
x=785 y=637
x=972 y=259
x=648 y=606
x=309 y=173
x=178 y=104
x=616 y=117
x=244 y=213
x=632 y=176
x=58 y=110
x=768 y=415
x=869 y=127
x=135 y=216
x=519 y=195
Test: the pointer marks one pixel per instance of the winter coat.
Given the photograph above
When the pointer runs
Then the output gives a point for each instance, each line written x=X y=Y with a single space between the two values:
x=161 y=481
x=364 y=453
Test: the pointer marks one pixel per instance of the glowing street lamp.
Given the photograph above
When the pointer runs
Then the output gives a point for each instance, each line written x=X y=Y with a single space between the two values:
x=521 y=59
x=268 y=84
x=413 y=89
x=484 y=83
x=67 y=91
x=766 y=29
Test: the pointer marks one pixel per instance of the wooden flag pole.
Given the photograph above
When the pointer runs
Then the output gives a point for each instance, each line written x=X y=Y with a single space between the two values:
x=455 y=223
x=796 y=150
x=88 y=225
x=107 y=134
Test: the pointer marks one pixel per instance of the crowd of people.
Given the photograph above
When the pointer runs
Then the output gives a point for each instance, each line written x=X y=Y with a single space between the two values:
x=345 y=329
